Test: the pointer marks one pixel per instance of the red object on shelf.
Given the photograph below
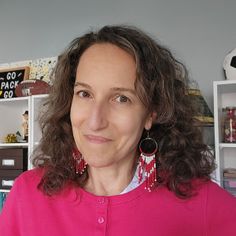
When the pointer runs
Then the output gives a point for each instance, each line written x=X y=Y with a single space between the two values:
x=230 y=125
x=32 y=87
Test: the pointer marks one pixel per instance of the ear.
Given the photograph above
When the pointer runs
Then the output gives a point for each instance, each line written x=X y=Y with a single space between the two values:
x=149 y=120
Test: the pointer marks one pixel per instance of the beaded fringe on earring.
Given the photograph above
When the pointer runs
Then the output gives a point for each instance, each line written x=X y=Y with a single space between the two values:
x=147 y=162
x=147 y=169
x=80 y=164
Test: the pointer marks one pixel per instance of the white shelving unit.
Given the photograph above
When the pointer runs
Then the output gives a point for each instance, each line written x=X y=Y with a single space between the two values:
x=36 y=108
x=11 y=119
x=225 y=153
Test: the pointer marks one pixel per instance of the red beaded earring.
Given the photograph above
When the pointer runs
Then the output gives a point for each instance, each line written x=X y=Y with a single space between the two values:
x=147 y=162
x=80 y=164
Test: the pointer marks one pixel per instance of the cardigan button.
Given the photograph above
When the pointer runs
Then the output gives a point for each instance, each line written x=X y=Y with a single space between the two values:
x=101 y=200
x=101 y=220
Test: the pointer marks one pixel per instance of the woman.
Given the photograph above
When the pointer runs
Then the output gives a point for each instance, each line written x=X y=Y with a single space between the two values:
x=121 y=153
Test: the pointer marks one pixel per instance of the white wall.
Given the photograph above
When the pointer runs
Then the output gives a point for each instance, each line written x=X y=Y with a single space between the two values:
x=200 y=32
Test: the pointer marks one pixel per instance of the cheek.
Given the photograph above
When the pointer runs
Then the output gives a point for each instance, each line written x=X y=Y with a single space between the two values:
x=76 y=114
x=73 y=114
x=130 y=127
x=76 y=121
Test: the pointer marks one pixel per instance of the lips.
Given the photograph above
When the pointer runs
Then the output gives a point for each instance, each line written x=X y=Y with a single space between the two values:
x=97 y=139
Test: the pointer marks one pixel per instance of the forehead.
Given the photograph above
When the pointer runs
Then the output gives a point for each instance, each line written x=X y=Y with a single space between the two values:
x=108 y=61
x=101 y=50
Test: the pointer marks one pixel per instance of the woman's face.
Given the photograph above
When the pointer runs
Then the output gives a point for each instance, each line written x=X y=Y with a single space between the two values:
x=106 y=114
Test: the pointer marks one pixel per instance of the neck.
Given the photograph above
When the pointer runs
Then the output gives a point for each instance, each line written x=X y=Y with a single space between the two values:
x=109 y=181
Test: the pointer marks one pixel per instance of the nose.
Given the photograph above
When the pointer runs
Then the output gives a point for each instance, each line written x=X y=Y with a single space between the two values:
x=98 y=116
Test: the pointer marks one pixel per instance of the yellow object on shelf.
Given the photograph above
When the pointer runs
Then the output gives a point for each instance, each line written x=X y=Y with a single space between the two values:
x=204 y=113
x=11 y=138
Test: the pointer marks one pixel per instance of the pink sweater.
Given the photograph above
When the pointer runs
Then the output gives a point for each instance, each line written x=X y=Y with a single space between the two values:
x=28 y=212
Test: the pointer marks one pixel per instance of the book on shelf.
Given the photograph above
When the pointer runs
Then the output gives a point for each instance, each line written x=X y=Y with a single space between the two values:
x=229 y=173
x=3 y=196
x=229 y=180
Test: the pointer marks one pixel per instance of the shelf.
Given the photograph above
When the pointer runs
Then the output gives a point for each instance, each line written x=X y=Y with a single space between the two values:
x=39 y=96
x=14 y=144
x=14 y=99
x=11 y=120
x=224 y=93
x=227 y=145
x=5 y=190
x=225 y=82
x=226 y=86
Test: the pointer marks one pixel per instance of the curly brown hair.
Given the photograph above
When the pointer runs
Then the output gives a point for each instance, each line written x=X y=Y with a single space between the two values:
x=162 y=84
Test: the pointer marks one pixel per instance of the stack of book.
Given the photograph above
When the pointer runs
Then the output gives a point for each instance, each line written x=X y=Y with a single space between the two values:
x=230 y=180
x=3 y=197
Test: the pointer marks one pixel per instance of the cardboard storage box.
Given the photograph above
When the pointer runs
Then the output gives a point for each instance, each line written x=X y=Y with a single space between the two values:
x=13 y=159
x=7 y=178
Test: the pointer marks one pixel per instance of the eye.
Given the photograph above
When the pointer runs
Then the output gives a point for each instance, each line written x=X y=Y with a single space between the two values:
x=83 y=94
x=122 y=99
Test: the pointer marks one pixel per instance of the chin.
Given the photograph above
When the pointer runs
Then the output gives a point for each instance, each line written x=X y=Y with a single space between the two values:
x=97 y=162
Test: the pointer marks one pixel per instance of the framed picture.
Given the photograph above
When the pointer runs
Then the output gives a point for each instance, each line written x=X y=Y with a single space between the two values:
x=10 y=78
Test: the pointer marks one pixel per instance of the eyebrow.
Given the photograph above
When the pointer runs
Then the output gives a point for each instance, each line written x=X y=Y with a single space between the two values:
x=81 y=84
x=116 y=89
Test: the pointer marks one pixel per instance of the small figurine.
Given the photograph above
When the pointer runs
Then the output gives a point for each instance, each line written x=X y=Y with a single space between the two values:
x=25 y=126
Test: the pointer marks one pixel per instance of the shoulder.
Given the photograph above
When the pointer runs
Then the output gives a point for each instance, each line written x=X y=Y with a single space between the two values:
x=220 y=201
x=220 y=211
x=24 y=188
x=216 y=194
x=29 y=178
x=33 y=174
x=207 y=195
